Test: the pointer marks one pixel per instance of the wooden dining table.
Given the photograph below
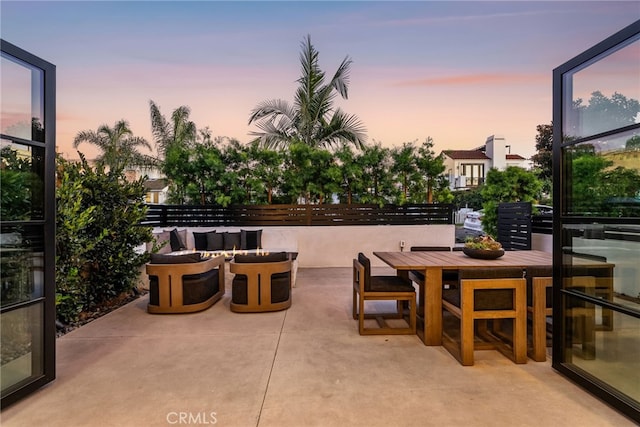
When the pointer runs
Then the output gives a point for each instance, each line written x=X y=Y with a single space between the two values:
x=433 y=263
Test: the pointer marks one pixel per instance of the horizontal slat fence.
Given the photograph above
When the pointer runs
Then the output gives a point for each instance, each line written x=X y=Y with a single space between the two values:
x=297 y=215
x=542 y=224
x=514 y=226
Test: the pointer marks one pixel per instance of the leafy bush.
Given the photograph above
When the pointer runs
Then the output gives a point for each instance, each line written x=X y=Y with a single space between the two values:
x=97 y=221
x=514 y=184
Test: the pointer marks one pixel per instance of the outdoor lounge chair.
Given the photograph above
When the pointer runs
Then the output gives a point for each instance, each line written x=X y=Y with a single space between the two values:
x=184 y=283
x=375 y=288
x=261 y=282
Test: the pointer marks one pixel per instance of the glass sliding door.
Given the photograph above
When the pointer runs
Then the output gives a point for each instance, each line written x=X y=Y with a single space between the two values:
x=27 y=223
x=596 y=156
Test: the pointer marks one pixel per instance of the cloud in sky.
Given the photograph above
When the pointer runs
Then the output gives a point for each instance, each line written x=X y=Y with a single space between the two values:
x=480 y=79
x=455 y=71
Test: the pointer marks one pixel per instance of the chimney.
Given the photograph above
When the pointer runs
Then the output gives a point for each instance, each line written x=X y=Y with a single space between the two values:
x=496 y=150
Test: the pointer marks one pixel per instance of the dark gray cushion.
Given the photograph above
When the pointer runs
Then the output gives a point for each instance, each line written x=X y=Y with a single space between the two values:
x=486 y=299
x=390 y=284
x=382 y=283
x=231 y=240
x=175 y=259
x=176 y=241
x=250 y=239
x=366 y=263
x=196 y=288
x=280 y=288
x=200 y=240
x=215 y=241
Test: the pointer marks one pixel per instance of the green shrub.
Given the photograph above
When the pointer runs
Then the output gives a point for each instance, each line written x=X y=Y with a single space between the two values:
x=97 y=221
x=514 y=184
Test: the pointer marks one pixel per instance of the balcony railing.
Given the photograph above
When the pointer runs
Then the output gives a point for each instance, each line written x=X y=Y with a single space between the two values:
x=297 y=215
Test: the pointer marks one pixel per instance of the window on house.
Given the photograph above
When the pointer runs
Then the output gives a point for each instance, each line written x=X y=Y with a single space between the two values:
x=474 y=173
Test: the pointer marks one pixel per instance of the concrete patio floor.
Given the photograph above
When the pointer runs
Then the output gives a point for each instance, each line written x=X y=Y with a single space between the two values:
x=306 y=366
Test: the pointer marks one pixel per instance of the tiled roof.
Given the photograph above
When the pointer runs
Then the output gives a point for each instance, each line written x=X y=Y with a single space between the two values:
x=466 y=154
x=155 y=184
x=515 y=157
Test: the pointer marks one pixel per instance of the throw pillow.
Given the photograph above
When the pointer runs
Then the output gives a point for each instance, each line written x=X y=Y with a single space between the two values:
x=250 y=239
x=231 y=240
x=200 y=241
x=215 y=241
x=159 y=239
x=177 y=244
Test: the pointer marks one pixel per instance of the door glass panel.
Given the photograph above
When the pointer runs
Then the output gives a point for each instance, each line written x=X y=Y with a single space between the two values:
x=608 y=352
x=601 y=260
x=22 y=180
x=22 y=342
x=603 y=94
x=21 y=263
x=22 y=107
x=604 y=176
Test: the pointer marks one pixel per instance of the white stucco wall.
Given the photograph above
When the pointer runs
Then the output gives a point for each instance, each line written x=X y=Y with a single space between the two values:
x=542 y=242
x=337 y=246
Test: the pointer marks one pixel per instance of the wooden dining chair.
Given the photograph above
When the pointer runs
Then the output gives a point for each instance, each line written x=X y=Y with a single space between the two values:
x=581 y=316
x=367 y=287
x=449 y=278
x=484 y=294
x=539 y=308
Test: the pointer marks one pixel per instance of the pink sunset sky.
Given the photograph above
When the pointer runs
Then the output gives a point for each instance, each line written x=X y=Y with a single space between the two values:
x=455 y=71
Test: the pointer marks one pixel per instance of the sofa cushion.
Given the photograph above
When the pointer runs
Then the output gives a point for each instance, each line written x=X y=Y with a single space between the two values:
x=176 y=240
x=197 y=288
x=280 y=288
x=231 y=240
x=215 y=241
x=486 y=299
x=250 y=239
x=161 y=240
x=175 y=259
x=200 y=240
x=366 y=263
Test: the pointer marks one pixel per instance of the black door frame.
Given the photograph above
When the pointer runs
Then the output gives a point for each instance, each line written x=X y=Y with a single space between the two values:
x=48 y=222
x=596 y=386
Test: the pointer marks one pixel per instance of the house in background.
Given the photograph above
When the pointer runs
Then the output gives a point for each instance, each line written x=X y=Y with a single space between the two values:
x=467 y=169
x=156 y=186
x=157 y=190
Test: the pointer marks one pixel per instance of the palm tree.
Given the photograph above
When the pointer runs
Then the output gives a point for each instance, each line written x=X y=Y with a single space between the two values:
x=180 y=132
x=119 y=146
x=175 y=141
x=311 y=120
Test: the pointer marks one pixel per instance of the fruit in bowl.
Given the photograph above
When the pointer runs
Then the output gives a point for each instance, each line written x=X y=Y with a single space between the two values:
x=483 y=247
x=482 y=242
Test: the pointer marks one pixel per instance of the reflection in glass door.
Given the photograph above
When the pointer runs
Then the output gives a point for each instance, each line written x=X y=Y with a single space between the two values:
x=596 y=326
x=27 y=223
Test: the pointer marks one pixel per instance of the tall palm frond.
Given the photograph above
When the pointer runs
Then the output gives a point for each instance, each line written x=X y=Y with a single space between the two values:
x=118 y=145
x=312 y=118
x=159 y=128
x=180 y=130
